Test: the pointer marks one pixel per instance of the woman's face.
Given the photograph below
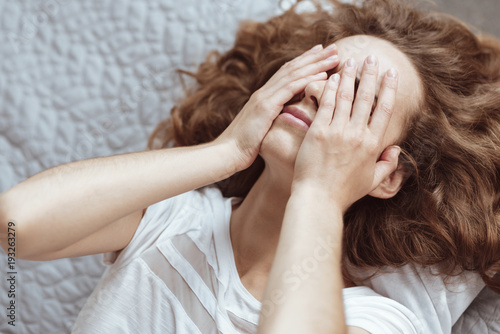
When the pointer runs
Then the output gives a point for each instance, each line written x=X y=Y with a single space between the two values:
x=283 y=140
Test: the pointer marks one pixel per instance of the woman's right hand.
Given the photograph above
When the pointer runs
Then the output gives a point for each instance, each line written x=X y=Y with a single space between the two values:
x=252 y=123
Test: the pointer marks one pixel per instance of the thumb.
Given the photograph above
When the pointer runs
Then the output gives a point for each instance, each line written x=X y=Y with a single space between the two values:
x=386 y=165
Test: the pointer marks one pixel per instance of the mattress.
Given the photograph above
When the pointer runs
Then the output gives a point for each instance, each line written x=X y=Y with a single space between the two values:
x=81 y=79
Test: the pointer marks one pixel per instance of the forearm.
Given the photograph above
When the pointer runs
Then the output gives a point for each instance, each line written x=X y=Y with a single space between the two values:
x=304 y=290
x=64 y=204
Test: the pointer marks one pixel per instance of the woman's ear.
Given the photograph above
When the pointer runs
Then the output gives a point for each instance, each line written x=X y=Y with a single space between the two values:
x=390 y=186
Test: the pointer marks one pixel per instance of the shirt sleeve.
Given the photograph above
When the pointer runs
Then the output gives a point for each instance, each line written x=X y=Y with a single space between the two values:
x=437 y=301
x=366 y=309
x=155 y=221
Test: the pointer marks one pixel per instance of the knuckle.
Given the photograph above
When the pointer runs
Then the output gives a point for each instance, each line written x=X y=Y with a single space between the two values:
x=337 y=135
x=257 y=96
x=320 y=134
x=386 y=108
x=257 y=93
x=358 y=137
x=291 y=86
x=260 y=104
x=259 y=99
x=356 y=141
x=328 y=103
x=370 y=70
x=289 y=65
x=371 y=146
x=331 y=86
x=391 y=83
x=351 y=73
x=365 y=96
x=347 y=96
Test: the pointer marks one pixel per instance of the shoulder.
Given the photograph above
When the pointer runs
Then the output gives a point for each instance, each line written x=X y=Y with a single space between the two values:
x=375 y=313
x=437 y=300
x=417 y=279
x=199 y=200
x=185 y=213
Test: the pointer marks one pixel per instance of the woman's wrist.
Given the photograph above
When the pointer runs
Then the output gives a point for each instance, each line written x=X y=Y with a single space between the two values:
x=318 y=206
x=235 y=159
x=321 y=193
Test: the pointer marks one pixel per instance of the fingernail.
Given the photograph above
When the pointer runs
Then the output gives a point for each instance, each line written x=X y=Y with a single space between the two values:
x=332 y=59
x=371 y=60
x=317 y=47
x=331 y=47
x=320 y=76
x=335 y=78
x=392 y=73
x=350 y=62
x=397 y=151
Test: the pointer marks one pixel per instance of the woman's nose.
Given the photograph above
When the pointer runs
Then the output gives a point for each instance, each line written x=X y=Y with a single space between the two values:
x=313 y=92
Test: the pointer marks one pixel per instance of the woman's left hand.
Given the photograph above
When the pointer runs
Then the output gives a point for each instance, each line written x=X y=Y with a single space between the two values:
x=342 y=153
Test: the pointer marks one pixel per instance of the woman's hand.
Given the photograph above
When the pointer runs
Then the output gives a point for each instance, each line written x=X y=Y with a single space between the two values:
x=252 y=123
x=341 y=154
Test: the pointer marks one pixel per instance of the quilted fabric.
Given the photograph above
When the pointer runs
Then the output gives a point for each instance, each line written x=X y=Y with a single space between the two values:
x=483 y=316
x=81 y=79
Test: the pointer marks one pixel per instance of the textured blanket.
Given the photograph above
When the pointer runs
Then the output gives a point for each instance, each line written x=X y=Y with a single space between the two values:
x=81 y=79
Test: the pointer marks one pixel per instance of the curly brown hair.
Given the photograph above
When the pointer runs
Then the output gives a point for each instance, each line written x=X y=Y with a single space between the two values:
x=448 y=211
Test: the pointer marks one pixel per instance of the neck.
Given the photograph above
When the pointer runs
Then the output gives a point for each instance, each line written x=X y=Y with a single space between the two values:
x=256 y=224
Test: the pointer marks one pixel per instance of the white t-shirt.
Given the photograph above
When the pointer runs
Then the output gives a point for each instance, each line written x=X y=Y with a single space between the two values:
x=178 y=275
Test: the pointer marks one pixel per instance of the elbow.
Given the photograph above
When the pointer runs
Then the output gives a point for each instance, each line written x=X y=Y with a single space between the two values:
x=13 y=234
x=4 y=225
x=7 y=241
x=9 y=229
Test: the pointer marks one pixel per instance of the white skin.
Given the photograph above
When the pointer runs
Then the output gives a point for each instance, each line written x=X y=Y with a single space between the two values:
x=311 y=177
x=260 y=215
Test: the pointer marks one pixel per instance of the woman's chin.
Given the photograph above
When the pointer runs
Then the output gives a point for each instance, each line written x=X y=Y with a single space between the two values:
x=281 y=145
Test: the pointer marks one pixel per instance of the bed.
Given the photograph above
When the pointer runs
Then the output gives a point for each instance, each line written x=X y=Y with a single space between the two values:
x=81 y=79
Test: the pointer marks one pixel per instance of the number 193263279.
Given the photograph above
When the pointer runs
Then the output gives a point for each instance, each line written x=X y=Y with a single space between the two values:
x=11 y=273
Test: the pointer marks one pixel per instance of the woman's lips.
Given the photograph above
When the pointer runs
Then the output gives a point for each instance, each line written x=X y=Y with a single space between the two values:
x=298 y=114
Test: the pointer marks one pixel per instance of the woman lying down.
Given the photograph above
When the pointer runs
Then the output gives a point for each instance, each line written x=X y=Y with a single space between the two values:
x=331 y=173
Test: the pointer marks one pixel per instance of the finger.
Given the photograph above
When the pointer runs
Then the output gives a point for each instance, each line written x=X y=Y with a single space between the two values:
x=319 y=66
x=310 y=63
x=345 y=93
x=385 y=104
x=315 y=49
x=324 y=115
x=282 y=96
x=365 y=95
x=316 y=55
x=386 y=165
x=311 y=56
